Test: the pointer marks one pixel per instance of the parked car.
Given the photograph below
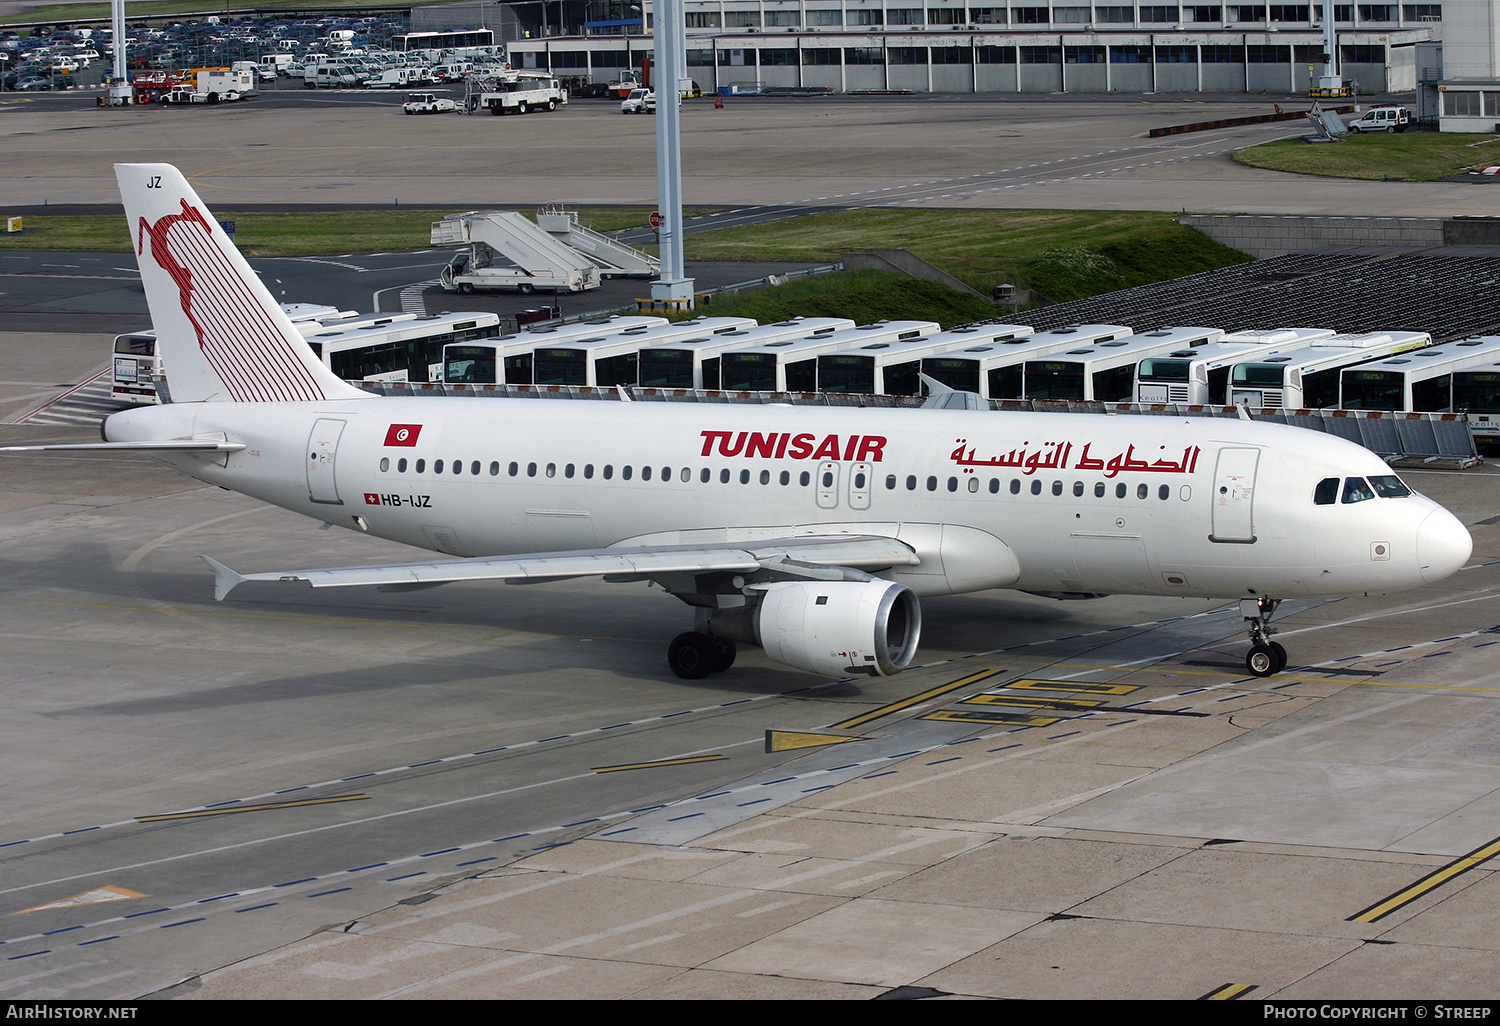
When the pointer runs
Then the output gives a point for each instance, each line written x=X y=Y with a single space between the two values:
x=640 y=101
x=1381 y=119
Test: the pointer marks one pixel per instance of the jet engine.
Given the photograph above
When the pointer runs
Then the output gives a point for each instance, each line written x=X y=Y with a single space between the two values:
x=839 y=627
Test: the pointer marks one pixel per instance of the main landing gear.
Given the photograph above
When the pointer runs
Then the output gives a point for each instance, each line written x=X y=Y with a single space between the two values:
x=693 y=656
x=1265 y=657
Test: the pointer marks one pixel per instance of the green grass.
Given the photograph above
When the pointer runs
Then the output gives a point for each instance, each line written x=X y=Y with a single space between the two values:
x=1064 y=254
x=303 y=233
x=1406 y=156
x=862 y=296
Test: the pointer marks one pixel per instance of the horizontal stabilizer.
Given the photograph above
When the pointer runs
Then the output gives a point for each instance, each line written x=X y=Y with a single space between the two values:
x=173 y=445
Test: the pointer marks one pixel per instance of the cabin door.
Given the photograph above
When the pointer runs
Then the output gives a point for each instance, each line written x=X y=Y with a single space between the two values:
x=322 y=449
x=1234 y=496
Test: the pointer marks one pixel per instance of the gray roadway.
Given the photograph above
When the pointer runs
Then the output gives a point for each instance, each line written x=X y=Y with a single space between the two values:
x=390 y=757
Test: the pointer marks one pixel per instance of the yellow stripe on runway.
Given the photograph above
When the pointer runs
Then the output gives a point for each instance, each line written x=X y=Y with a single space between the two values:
x=1430 y=882
x=994 y=719
x=1085 y=687
x=907 y=703
x=264 y=807
x=685 y=761
x=1228 y=992
x=1039 y=702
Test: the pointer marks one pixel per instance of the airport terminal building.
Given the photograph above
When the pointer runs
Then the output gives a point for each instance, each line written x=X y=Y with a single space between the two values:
x=959 y=46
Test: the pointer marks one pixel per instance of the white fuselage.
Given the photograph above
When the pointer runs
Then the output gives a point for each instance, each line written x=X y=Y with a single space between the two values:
x=1087 y=504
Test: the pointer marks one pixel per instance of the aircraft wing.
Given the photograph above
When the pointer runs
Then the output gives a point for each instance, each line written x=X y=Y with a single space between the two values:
x=171 y=445
x=802 y=556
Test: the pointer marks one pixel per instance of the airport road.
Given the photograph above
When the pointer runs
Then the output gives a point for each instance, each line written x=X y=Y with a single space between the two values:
x=501 y=792
x=295 y=147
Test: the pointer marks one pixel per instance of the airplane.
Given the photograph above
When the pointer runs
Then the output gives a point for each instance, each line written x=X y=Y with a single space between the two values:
x=812 y=532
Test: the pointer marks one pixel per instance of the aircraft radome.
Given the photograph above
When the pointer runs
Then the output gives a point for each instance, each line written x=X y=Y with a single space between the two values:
x=811 y=532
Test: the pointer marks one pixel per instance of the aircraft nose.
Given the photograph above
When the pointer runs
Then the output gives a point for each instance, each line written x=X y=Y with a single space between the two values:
x=1443 y=545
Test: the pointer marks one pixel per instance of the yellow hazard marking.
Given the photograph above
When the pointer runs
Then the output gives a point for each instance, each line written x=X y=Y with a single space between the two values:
x=1085 y=687
x=97 y=896
x=686 y=760
x=229 y=810
x=1228 y=992
x=1027 y=702
x=987 y=716
x=790 y=740
x=1430 y=882
x=907 y=703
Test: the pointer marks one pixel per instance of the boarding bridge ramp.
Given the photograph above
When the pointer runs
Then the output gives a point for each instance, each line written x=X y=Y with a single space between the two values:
x=517 y=240
x=614 y=258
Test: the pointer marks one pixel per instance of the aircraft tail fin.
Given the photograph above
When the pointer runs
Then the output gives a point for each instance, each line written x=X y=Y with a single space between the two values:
x=221 y=335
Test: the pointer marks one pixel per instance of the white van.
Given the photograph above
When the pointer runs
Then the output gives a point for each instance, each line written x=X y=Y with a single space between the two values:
x=1381 y=119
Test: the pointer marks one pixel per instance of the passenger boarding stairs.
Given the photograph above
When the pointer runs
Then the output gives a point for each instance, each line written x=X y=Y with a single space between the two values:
x=518 y=241
x=614 y=259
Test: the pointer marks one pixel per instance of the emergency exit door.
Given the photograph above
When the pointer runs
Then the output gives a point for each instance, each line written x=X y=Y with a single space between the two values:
x=322 y=459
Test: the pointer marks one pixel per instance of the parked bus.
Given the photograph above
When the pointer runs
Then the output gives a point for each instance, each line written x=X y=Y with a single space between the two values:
x=1105 y=372
x=507 y=359
x=399 y=349
x=606 y=360
x=1307 y=377
x=1420 y=381
x=137 y=367
x=1201 y=375
x=694 y=362
x=791 y=365
x=895 y=368
x=1477 y=392
x=993 y=368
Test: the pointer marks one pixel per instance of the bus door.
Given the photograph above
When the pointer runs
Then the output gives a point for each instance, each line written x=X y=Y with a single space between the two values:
x=860 y=476
x=322 y=448
x=1234 y=496
x=828 y=485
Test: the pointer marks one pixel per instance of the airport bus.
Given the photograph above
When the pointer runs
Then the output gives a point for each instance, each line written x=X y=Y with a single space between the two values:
x=791 y=365
x=1420 y=381
x=507 y=360
x=694 y=362
x=993 y=368
x=137 y=367
x=1105 y=371
x=396 y=348
x=606 y=360
x=895 y=368
x=1307 y=377
x=1200 y=375
x=1476 y=391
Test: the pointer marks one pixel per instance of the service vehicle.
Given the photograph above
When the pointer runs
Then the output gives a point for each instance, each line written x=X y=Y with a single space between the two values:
x=519 y=92
x=1390 y=118
x=427 y=103
x=640 y=101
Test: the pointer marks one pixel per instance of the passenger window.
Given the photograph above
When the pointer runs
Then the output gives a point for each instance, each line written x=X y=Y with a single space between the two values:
x=568 y=471
x=495 y=469
x=973 y=484
x=458 y=466
x=437 y=466
x=911 y=482
x=530 y=469
x=1077 y=489
x=705 y=475
x=1056 y=487
x=744 y=477
x=666 y=473
x=803 y=478
x=645 y=473
x=1015 y=486
x=474 y=468
x=1356 y=489
x=625 y=473
x=385 y=464
x=1163 y=492
x=1036 y=488
x=786 y=478
x=765 y=477
x=724 y=476
x=514 y=469
x=588 y=471
x=890 y=481
x=994 y=486
x=1098 y=489
x=687 y=475
x=1120 y=490
x=401 y=465
x=953 y=484
x=421 y=466
x=1142 y=490
x=1327 y=492
x=609 y=471
x=932 y=484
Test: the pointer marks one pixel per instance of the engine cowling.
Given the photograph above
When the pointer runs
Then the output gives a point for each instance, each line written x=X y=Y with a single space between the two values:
x=839 y=627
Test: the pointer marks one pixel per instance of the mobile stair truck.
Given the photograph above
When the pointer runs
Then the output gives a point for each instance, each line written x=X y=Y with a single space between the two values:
x=503 y=250
x=516 y=92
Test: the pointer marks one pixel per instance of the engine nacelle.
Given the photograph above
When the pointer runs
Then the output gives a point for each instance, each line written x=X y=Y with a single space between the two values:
x=839 y=627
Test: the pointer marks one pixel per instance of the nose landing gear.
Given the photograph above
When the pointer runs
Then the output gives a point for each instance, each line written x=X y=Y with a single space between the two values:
x=1266 y=657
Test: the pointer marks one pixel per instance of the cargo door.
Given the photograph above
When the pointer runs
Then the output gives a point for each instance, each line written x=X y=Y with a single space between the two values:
x=1234 y=496
x=322 y=448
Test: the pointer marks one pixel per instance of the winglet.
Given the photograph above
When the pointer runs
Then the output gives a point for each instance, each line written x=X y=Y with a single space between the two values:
x=225 y=579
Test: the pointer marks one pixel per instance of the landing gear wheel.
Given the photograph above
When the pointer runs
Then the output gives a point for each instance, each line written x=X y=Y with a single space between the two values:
x=726 y=653
x=693 y=656
x=1261 y=662
x=1275 y=646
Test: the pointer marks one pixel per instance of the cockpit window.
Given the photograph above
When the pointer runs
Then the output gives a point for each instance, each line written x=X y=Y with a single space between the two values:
x=1357 y=489
x=1389 y=486
x=1327 y=492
